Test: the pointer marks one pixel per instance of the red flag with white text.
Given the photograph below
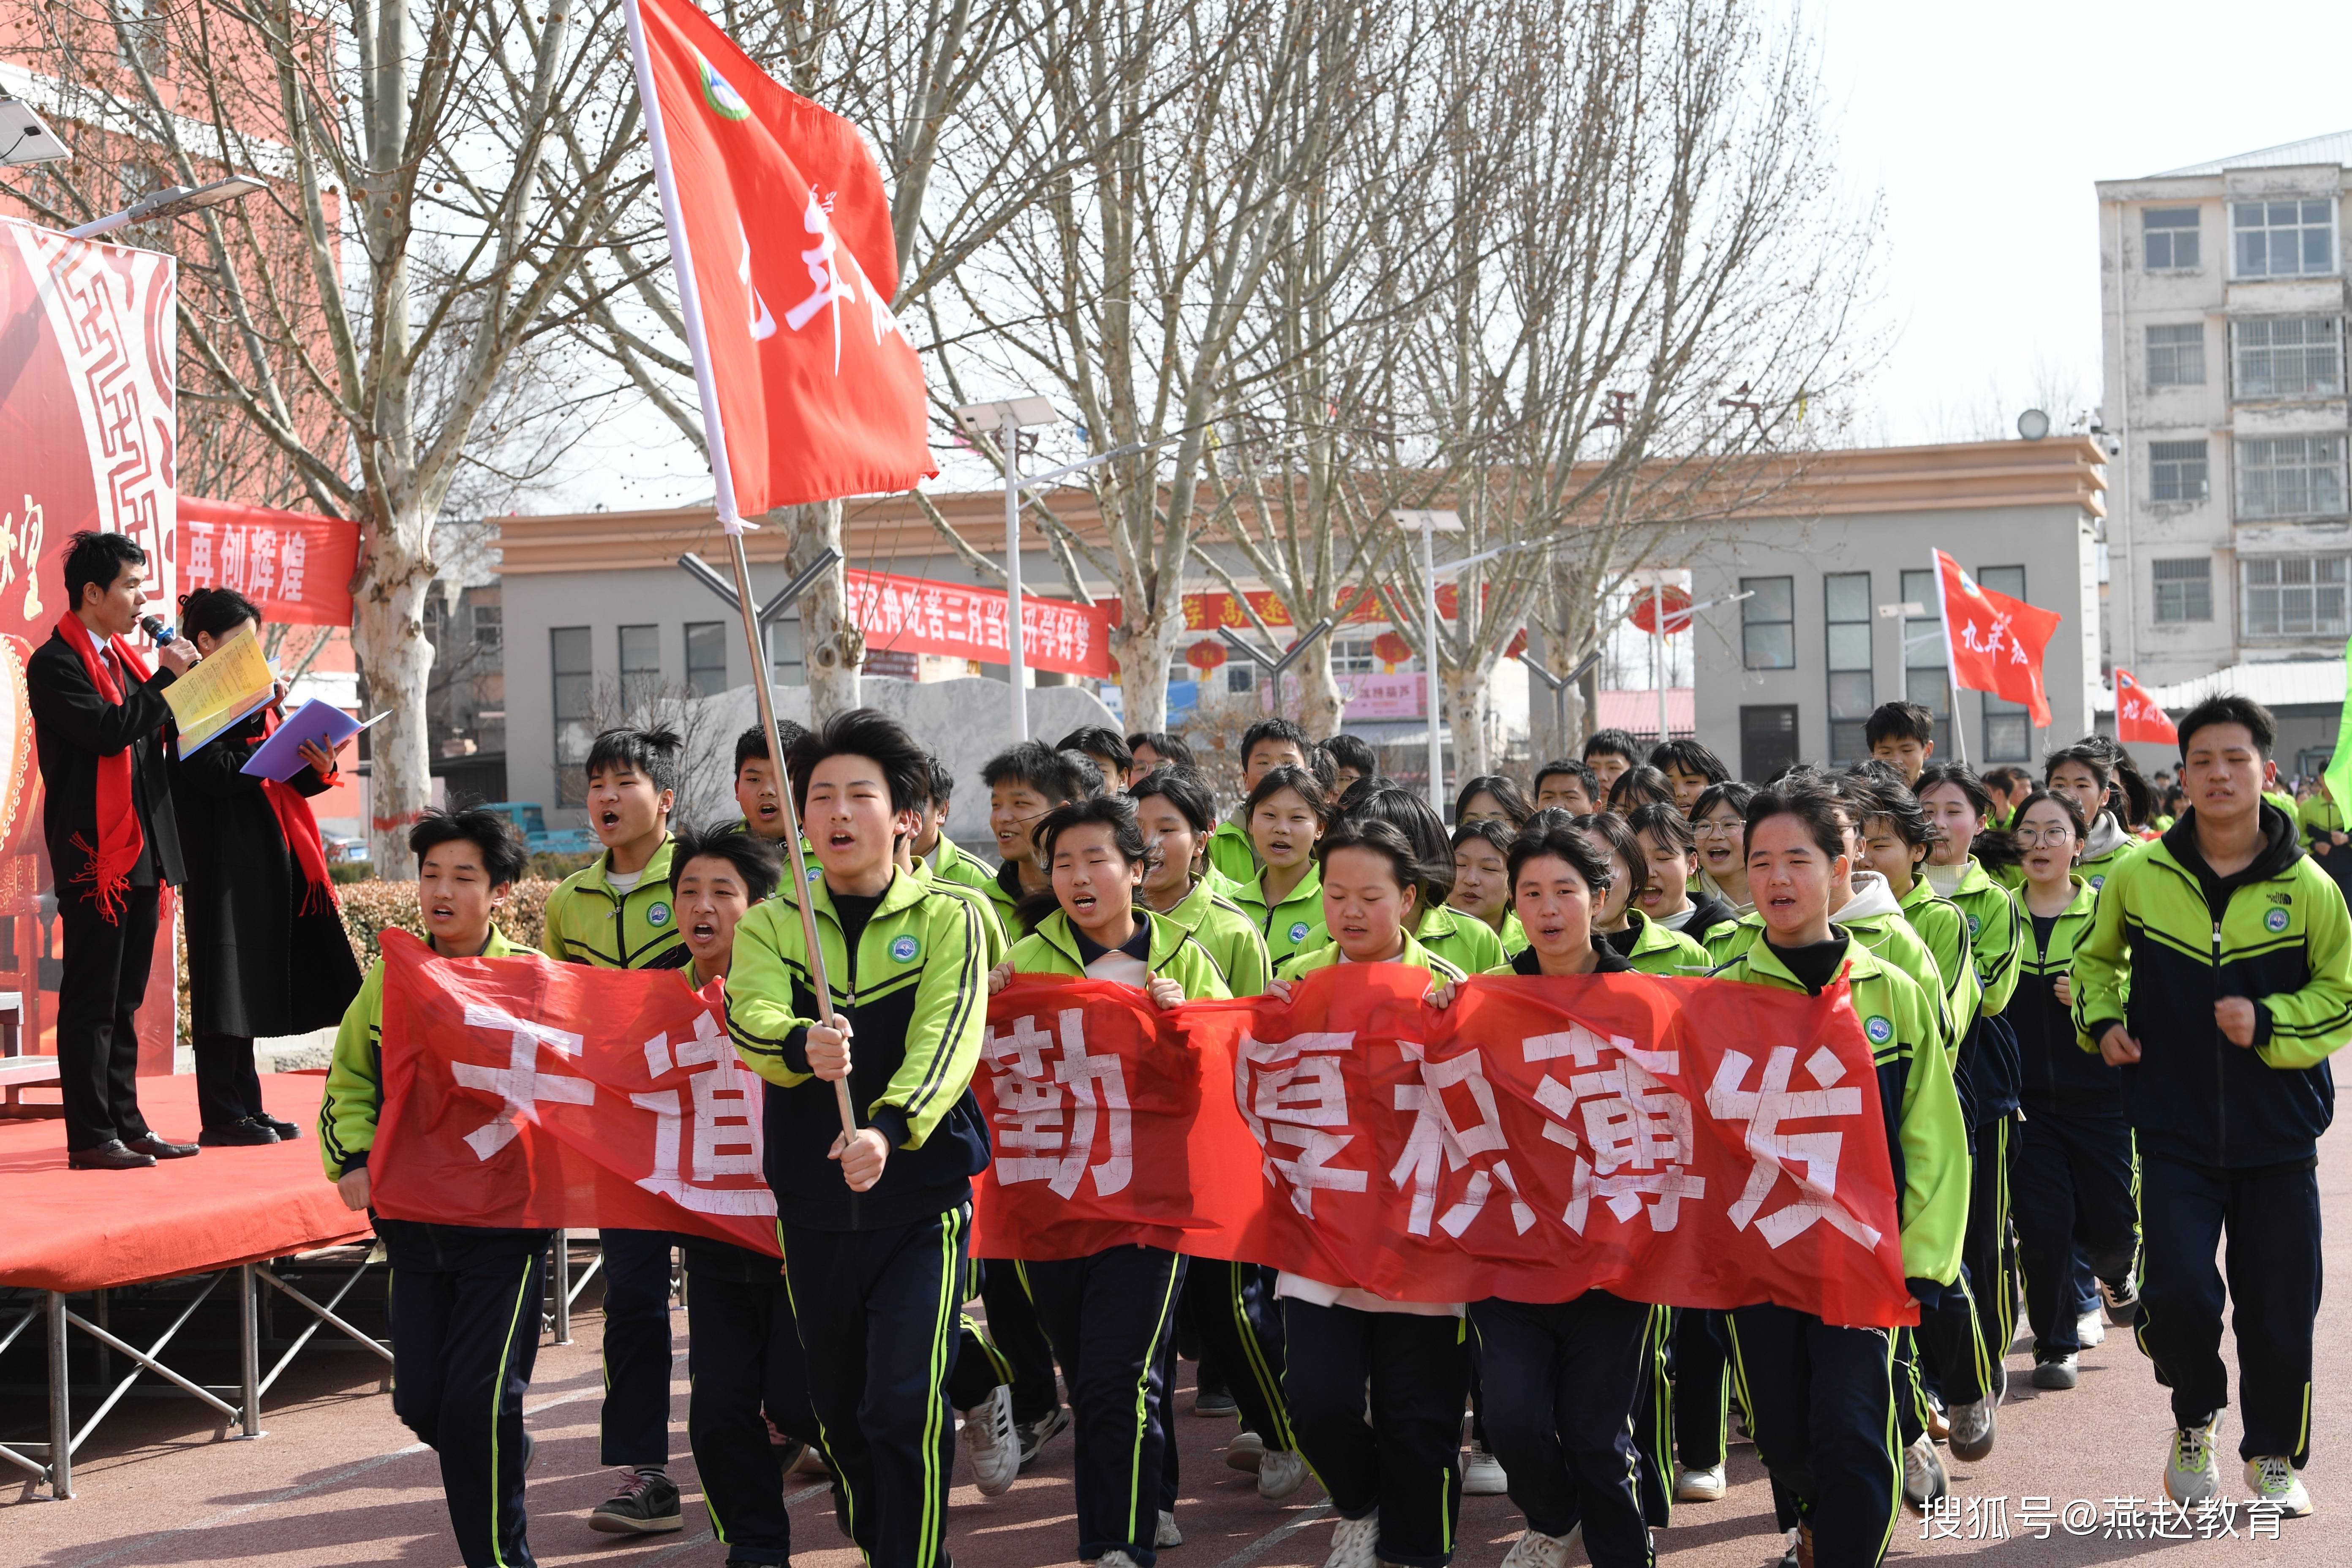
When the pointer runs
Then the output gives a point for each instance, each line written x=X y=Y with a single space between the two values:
x=1996 y=642
x=2138 y=717
x=781 y=225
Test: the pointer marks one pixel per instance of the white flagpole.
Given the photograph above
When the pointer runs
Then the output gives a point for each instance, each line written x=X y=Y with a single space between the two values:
x=1951 y=663
x=714 y=433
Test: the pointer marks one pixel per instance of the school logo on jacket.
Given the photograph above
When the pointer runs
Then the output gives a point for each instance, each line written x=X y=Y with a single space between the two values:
x=2275 y=920
x=658 y=916
x=1298 y=930
x=1879 y=1030
x=905 y=949
x=1973 y=926
x=2098 y=881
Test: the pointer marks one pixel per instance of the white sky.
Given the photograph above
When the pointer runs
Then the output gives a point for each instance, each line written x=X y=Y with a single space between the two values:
x=1985 y=126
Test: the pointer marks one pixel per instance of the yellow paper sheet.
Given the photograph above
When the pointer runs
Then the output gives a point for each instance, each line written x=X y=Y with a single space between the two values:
x=225 y=685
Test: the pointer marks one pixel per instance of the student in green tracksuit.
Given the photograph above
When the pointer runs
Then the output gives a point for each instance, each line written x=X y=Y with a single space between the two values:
x=2083 y=772
x=939 y=854
x=1229 y=1306
x=1649 y=947
x=1672 y=894
x=1284 y=897
x=1024 y=783
x=1112 y=1314
x=759 y=779
x=1468 y=943
x=1269 y=745
x=909 y=856
x=617 y=914
x=2218 y=975
x=2324 y=837
x=465 y=1300
x=873 y=1225
x=1821 y=1399
x=1482 y=880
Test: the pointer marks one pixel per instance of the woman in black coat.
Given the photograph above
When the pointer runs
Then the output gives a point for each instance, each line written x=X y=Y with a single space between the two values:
x=266 y=952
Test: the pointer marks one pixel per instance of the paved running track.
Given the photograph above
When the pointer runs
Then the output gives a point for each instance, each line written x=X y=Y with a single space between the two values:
x=337 y=1479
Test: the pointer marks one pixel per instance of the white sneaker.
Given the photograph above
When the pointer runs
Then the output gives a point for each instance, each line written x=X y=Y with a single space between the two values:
x=1114 y=1560
x=1923 y=1474
x=2189 y=1477
x=1482 y=1474
x=2275 y=1485
x=1972 y=1430
x=1534 y=1549
x=1167 y=1535
x=1245 y=1452
x=995 y=1447
x=1793 y=1552
x=1356 y=1543
x=1282 y=1472
x=2091 y=1328
x=1700 y=1486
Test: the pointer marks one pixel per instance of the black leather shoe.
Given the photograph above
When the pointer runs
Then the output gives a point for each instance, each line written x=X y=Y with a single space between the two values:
x=287 y=1131
x=162 y=1148
x=236 y=1135
x=111 y=1155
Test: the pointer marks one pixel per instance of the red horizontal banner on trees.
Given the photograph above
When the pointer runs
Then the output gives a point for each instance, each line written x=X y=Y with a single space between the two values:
x=296 y=567
x=519 y=1091
x=1687 y=1142
x=915 y=614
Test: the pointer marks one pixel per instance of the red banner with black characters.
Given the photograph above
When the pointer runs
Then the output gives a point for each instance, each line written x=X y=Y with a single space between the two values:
x=517 y=1091
x=1686 y=1141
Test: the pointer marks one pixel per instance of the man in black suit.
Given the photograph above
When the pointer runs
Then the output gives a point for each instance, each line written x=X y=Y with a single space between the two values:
x=107 y=881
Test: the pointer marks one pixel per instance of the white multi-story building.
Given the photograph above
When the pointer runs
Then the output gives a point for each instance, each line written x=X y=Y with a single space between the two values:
x=2223 y=296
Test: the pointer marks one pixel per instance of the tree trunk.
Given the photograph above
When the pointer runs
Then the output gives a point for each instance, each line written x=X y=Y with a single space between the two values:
x=1463 y=692
x=1143 y=651
x=396 y=660
x=831 y=648
x=1320 y=704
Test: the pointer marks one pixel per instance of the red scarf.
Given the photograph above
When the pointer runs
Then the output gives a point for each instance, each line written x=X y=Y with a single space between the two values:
x=301 y=830
x=121 y=841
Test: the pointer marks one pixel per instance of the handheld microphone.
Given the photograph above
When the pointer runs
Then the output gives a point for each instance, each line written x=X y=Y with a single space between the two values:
x=156 y=629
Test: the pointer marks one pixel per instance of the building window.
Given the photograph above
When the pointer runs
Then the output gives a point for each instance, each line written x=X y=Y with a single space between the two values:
x=2288 y=356
x=706 y=657
x=2176 y=470
x=2169 y=238
x=2291 y=475
x=1354 y=655
x=1768 y=741
x=2293 y=596
x=1768 y=623
x=1924 y=680
x=1845 y=599
x=2176 y=355
x=572 y=655
x=489 y=628
x=2291 y=238
x=640 y=668
x=2184 y=589
x=2008 y=726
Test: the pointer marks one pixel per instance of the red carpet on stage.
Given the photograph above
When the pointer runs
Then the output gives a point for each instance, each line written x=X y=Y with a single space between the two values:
x=81 y=1230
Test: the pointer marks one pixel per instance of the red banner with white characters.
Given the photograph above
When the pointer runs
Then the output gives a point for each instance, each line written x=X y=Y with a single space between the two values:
x=2138 y=717
x=519 y=1091
x=916 y=614
x=1996 y=642
x=294 y=566
x=1681 y=1140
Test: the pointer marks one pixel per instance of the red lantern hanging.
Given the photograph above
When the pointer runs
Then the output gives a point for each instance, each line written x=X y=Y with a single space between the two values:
x=1390 y=648
x=1678 y=609
x=1205 y=655
x=1519 y=644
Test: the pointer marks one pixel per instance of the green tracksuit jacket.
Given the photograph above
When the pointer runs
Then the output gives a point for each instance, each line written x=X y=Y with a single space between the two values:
x=1053 y=948
x=1224 y=928
x=1328 y=954
x=590 y=921
x=1231 y=854
x=1465 y=941
x=1654 y=949
x=1290 y=925
x=1996 y=934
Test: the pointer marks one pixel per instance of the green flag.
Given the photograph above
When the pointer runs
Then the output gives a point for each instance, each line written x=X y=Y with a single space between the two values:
x=2339 y=766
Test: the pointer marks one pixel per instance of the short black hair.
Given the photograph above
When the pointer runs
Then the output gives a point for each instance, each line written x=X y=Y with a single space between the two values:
x=941 y=779
x=100 y=558
x=1962 y=777
x=863 y=732
x=2007 y=776
x=1286 y=777
x=1871 y=769
x=1412 y=816
x=1495 y=833
x=760 y=863
x=1515 y=806
x=1897 y=805
x=1366 y=787
x=1898 y=722
x=1559 y=841
x=1812 y=803
x=214 y=612
x=1098 y=740
x=1617 y=838
x=751 y=745
x=504 y=854
x=1732 y=790
x=1383 y=838
x=1586 y=779
x=1667 y=822
x=1112 y=811
x=1182 y=788
x=1614 y=743
x=1639 y=785
x=1038 y=765
x=652 y=752
x=1170 y=749
x=1274 y=730
x=2064 y=802
x=1690 y=757
x=2093 y=758
x=1086 y=770
x=1352 y=751
x=2229 y=708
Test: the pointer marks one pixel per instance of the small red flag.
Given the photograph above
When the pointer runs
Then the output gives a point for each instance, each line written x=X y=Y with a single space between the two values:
x=2138 y=717
x=780 y=237
x=1995 y=641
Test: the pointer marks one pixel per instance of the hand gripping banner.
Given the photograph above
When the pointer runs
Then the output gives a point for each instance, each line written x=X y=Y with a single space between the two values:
x=1688 y=1142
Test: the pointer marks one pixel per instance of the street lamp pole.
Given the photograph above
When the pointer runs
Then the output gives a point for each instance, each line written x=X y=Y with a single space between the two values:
x=172 y=201
x=1431 y=524
x=1275 y=666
